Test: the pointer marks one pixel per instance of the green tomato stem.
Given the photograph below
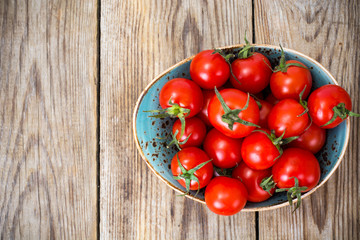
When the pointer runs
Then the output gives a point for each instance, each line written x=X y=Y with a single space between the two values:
x=267 y=184
x=293 y=192
x=175 y=111
x=283 y=66
x=188 y=175
x=232 y=116
x=341 y=112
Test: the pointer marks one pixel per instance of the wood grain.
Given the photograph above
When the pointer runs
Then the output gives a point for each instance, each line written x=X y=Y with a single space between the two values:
x=327 y=31
x=139 y=40
x=48 y=79
x=48 y=115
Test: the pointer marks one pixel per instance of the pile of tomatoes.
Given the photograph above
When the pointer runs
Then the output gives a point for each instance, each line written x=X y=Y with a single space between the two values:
x=245 y=131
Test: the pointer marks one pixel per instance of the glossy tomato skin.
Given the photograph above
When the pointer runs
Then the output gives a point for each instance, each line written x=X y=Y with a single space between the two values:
x=189 y=158
x=203 y=114
x=234 y=99
x=313 y=139
x=321 y=103
x=258 y=151
x=289 y=84
x=285 y=115
x=264 y=113
x=251 y=179
x=184 y=92
x=193 y=126
x=225 y=196
x=299 y=163
x=223 y=150
x=252 y=72
x=209 y=70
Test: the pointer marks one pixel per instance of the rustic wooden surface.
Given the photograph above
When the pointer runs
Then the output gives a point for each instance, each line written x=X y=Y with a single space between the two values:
x=71 y=72
x=327 y=31
x=139 y=40
x=48 y=80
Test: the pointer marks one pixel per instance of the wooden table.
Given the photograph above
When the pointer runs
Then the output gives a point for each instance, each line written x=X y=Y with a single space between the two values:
x=70 y=74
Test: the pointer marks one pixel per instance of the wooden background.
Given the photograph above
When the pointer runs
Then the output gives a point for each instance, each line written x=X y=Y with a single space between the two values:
x=70 y=74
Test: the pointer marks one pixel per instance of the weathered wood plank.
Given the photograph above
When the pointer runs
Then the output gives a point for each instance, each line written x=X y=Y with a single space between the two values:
x=327 y=31
x=139 y=40
x=48 y=79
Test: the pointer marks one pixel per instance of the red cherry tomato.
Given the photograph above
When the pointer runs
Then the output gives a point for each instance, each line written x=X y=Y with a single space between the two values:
x=225 y=196
x=223 y=150
x=234 y=99
x=258 y=151
x=264 y=113
x=289 y=84
x=184 y=92
x=299 y=163
x=193 y=126
x=252 y=180
x=189 y=159
x=253 y=73
x=313 y=139
x=322 y=101
x=209 y=70
x=285 y=116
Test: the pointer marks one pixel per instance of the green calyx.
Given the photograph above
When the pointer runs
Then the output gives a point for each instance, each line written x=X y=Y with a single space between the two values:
x=175 y=111
x=303 y=102
x=227 y=59
x=177 y=142
x=283 y=66
x=277 y=141
x=246 y=51
x=256 y=100
x=259 y=104
x=272 y=70
x=267 y=184
x=188 y=175
x=232 y=116
x=293 y=192
x=341 y=112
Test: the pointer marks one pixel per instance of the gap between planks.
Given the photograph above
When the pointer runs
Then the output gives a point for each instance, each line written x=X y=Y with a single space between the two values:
x=98 y=62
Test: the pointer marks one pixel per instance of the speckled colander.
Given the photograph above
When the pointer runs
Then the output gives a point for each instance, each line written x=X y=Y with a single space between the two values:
x=149 y=133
